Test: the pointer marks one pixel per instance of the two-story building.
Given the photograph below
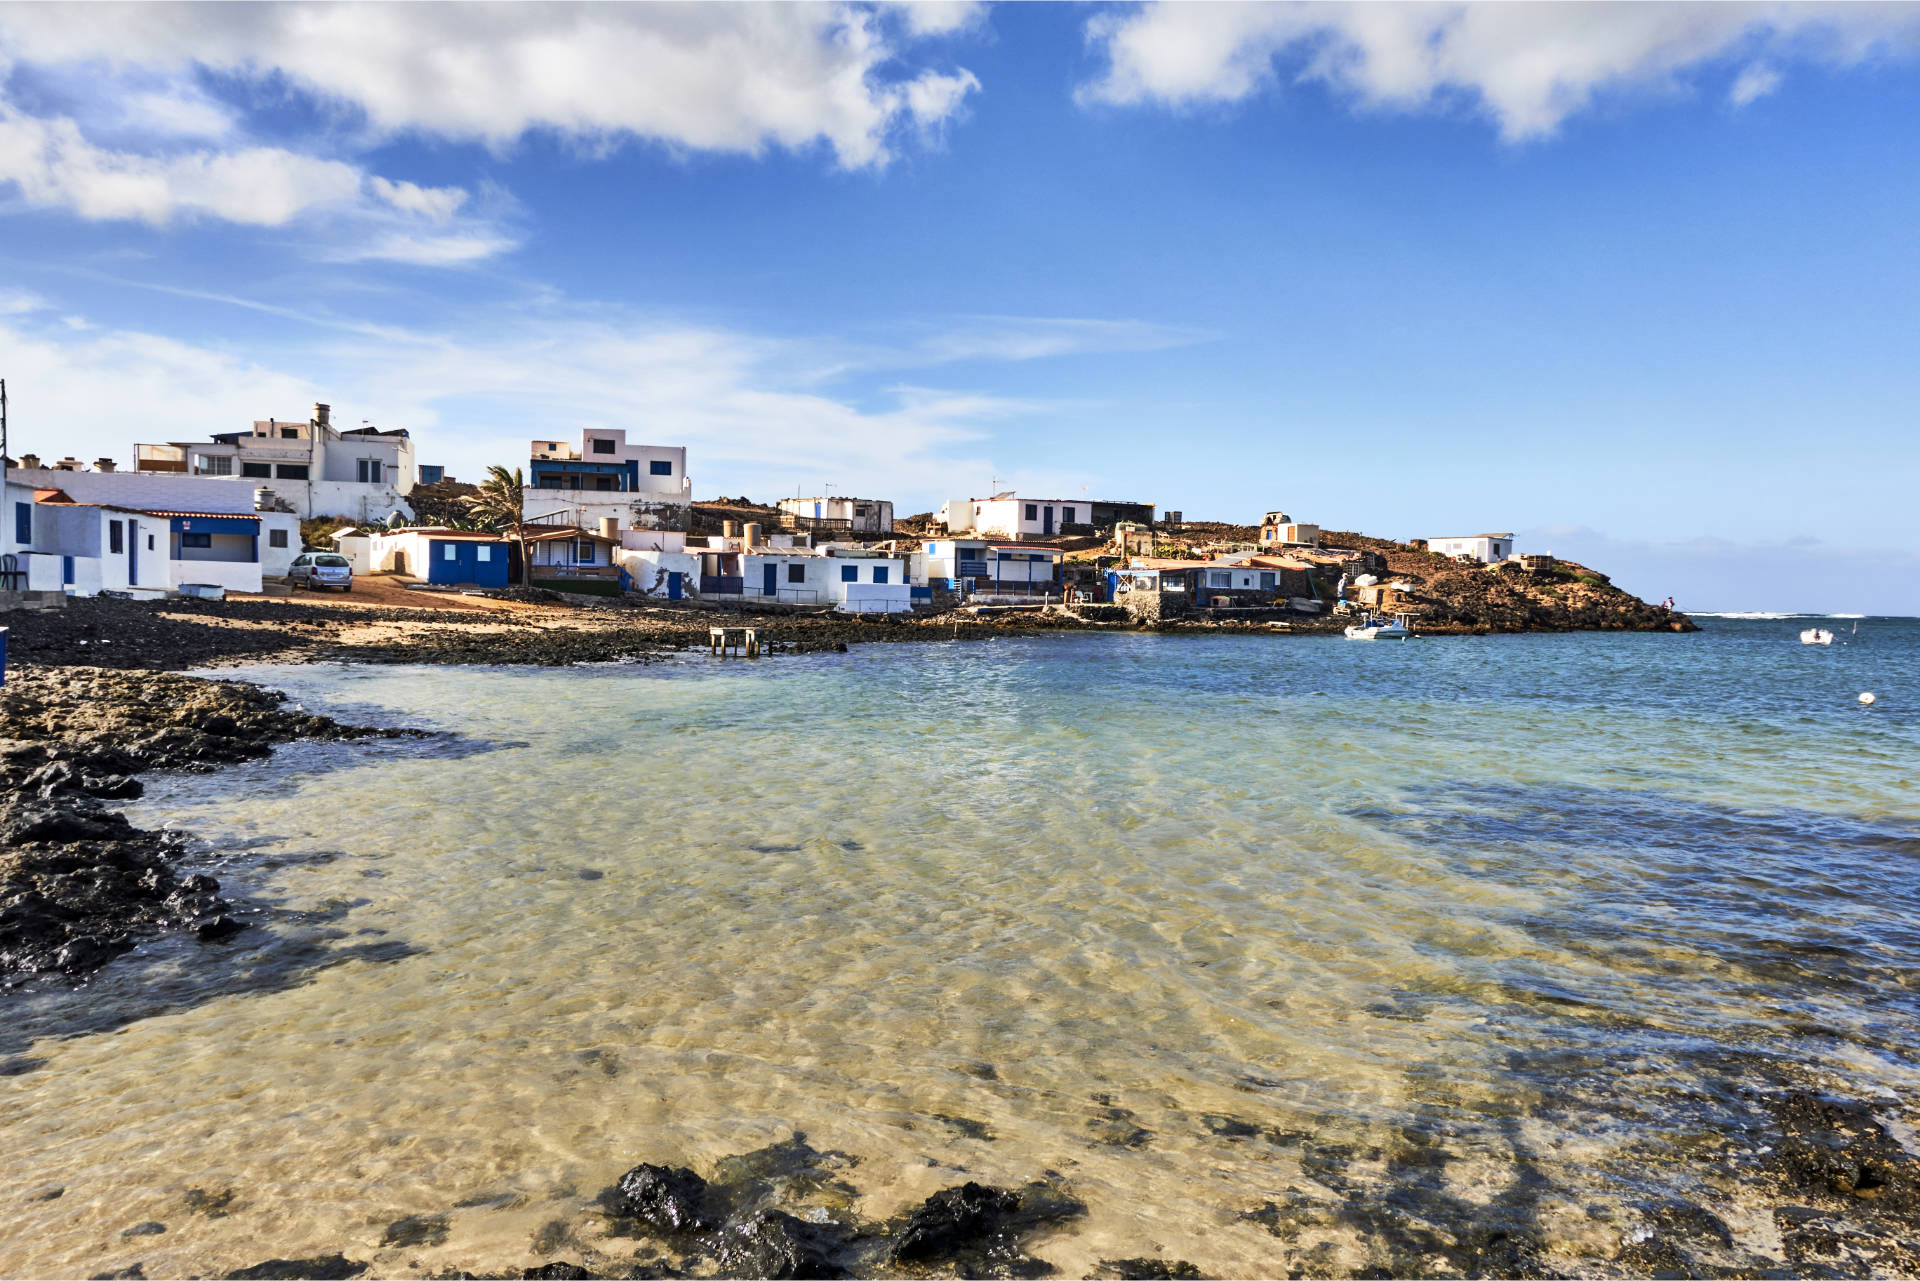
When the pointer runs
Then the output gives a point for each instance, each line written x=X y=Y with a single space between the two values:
x=603 y=477
x=1277 y=529
x=312 y=468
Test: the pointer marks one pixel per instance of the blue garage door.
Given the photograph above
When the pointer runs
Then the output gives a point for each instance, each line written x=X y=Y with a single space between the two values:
x=482 y=564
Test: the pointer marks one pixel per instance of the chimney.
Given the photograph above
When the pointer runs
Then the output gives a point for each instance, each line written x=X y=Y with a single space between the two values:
x=322 y=415
x=103 y=464
x=30 y=462
x=610 y=528
x=750 y=534
x=68 y=463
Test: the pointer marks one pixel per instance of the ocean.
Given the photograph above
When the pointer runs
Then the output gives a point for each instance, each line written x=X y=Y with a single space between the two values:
x=1281 y=954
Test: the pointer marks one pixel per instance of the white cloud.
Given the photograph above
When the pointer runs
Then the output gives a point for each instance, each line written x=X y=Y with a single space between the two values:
x=362 y=217
x=179 y=112
x=939 y=17
x=723 y=77
x=1754 y=82
x=1040 y=337
x=1527 y=66
x=434 y=203
x=54 y=166
x=18 y=302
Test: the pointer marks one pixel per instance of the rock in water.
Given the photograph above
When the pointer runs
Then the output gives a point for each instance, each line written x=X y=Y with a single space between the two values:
x=777 y=1245
x=325 y=1267
x=665 y=1199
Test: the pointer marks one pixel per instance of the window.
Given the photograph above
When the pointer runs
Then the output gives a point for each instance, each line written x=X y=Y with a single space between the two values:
x=1066 y=515
x=447 y=552
x=859 y=511
x=291 y=471
x=553 y=444
x=116 y=540
x=290 y=433
x=796 y=573
x=1220 y=578
x=1033 y=511
x=660 y=467
x=259 y=471
x=149 y=542
x=1269 y=581
x=549 y=481
x=879 y=573
x=603 y=482
x=583 y=553
x=603 y=447
x=849 y=573
x=303 y=560
x=275 y=538
x=370 y=471
x=196 y=540
x=483 y=553
x=23 y=522
x=216 y=465
x=933 y=549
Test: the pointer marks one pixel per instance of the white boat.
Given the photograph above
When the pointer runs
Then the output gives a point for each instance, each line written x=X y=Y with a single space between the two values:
x=1381 y=629
x=1816 y=636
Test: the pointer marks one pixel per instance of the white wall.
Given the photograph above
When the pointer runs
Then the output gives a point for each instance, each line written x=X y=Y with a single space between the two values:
x=1008 y=518
x=234 y=575
x=275 y=561
x=648 y=569
x=875 y=598
x=357 y=548
x=1481 y=548
x=143 y=490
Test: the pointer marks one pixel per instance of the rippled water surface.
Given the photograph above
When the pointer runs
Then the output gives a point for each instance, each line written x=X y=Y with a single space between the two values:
x=1421 y=935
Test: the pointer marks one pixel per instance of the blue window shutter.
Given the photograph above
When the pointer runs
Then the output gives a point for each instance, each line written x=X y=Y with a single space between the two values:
x=879 y=573
x=660 y=467
x=23 y=522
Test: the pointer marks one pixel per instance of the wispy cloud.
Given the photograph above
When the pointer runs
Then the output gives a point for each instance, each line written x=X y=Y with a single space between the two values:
x=1528 y=67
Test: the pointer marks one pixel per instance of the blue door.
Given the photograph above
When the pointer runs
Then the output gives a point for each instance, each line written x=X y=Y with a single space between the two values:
x=674 y=580
x=816 y=511
x=771 y=582
x=133 y=553
x=1046 y=520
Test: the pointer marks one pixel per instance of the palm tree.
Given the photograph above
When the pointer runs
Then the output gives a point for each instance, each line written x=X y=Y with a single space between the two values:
x=500 y=504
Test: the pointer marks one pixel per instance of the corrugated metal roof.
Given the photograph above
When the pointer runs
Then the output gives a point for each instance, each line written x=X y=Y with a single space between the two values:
x=154 y=511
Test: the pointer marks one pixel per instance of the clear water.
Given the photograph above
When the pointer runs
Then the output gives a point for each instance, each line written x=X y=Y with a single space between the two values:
x=1456 y=929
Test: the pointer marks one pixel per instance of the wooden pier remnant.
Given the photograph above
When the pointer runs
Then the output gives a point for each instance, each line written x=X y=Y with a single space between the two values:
x=722 y=641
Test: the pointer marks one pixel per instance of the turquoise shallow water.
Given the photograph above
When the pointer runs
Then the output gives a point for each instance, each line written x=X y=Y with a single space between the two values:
x=1411 y=936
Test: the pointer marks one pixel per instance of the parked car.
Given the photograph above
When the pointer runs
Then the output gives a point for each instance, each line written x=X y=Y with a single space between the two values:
x=321 y=569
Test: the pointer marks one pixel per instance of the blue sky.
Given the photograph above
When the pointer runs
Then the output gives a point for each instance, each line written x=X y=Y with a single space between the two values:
x=1639 y=282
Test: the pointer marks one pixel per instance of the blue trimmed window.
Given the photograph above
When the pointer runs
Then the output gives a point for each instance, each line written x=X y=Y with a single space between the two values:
x=879 y=573
x=23 y=522
x=849 y=573
x=196 y=540
x=660 y=467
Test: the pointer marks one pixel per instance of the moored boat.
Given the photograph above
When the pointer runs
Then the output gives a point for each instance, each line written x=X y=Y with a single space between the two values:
x=1816 y=636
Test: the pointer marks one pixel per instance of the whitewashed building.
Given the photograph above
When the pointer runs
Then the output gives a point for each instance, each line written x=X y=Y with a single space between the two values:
x=1277 y=529
x=603 y=477
x=850 y=516
x=62 y=543
x=780 y=570
x=992 y=567
x=1012 y=516
x=1490 y=548
x=315 y=469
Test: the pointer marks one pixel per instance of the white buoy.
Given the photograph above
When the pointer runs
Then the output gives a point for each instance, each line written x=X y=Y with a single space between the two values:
x=1866 y=700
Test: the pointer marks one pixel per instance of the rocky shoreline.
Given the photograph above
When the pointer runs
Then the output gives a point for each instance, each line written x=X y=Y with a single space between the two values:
x=79 y=884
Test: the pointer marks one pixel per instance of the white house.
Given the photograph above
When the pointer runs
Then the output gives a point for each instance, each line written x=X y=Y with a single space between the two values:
x=1491 y=548
x=86 y=548
x=637 y=486
x=363 y=474
x=1011 y=516
x=780 y=570
x=992 y=567
x=840 y=515
x=1280 y=529
x=90 y=531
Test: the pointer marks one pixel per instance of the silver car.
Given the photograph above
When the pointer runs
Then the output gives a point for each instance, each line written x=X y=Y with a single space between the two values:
x=321 y=569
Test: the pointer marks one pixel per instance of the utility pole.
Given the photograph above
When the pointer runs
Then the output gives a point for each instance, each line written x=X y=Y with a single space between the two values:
x=8 y=462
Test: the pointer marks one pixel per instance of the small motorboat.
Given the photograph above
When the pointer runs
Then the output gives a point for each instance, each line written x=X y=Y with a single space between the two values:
x=1381 y=629
x=1816 y=636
